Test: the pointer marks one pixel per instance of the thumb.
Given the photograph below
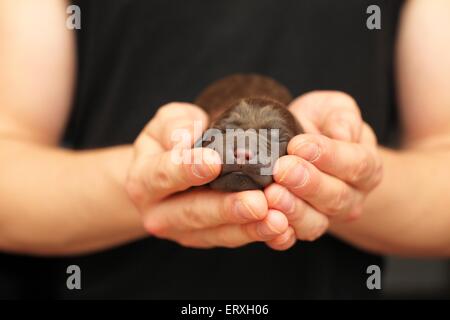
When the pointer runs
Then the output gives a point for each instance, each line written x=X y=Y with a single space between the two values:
x=173 y=171
x=332 y=113
x=175 y=122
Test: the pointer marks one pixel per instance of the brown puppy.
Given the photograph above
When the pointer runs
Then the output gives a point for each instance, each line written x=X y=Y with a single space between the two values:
x=250 y=128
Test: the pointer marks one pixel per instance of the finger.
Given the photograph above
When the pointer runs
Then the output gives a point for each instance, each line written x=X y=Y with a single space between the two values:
x=325 y=193
x=177 y=124
x=307 y=223
x=343 y=125
x=201 y=209
x=146 y=146
x=284 y=241
x=356 y=164
x=236 y=235
x=155 y=177
x=333 y=113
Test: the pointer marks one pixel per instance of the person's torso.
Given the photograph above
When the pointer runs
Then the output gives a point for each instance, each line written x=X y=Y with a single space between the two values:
x=135 y=56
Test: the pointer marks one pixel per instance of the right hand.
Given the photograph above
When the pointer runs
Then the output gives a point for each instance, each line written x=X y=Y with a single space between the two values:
x=199 y=218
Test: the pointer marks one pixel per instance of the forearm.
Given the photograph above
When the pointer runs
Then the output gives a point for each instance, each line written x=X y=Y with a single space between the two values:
x=409 y=213
x=56 y=201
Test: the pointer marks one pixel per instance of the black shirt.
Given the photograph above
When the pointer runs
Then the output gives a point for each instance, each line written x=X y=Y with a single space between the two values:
x=135 y=56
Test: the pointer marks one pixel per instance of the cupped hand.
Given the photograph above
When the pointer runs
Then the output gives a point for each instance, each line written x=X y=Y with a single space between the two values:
x=330 y=169
x=199 y=218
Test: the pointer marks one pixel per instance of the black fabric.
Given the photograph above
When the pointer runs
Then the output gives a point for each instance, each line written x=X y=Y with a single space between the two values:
x=135 y=56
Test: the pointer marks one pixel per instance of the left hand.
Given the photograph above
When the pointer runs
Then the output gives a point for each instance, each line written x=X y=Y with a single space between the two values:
x=330 y=169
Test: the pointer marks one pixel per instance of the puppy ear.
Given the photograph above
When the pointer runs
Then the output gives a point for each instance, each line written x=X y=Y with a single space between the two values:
x=199 y=143
x=206 y=139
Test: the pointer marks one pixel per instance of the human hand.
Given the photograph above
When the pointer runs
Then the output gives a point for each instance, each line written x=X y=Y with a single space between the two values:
x=197 y=218
x=330 y=169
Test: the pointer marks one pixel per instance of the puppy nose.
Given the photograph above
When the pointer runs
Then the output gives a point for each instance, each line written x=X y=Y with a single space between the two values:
x=243 y=155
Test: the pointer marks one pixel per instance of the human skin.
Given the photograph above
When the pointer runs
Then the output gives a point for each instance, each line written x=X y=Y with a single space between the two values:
x=408 y=213
x=245 y=107
x=58 y=202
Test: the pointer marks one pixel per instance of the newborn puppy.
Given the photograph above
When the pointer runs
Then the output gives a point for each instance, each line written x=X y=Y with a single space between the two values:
x=250 y=128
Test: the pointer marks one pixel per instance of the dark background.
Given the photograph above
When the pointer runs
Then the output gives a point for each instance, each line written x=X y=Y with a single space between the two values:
x=416 y=279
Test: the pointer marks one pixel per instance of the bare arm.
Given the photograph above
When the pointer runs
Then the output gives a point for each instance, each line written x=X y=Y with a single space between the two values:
x=409 y=213
x=58 y=202
x=330 y=179
x=52 y=200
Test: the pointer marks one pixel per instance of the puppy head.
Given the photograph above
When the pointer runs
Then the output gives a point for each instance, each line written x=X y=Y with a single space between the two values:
x=250 y=136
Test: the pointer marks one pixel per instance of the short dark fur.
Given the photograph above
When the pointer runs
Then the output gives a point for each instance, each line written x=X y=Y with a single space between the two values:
x=248 y=101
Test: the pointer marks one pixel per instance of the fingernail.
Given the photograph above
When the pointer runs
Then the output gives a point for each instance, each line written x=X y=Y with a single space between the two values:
x=268 y=227
x=201 y=171
x=308 y=150
x=296 y=177
x=244 y=210
x=265 y=229
x=276 y=167
x=284 y=174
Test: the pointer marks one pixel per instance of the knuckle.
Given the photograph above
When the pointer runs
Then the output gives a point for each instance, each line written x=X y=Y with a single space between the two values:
x=298 y=212
x=317 y=231
x=163 y=177
x=160 y=179
x=155 y=228
x=190 y=217
x=339 y=202
x=378 y=176
x=355 y=213
x=362 y=170
x=345 y=99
